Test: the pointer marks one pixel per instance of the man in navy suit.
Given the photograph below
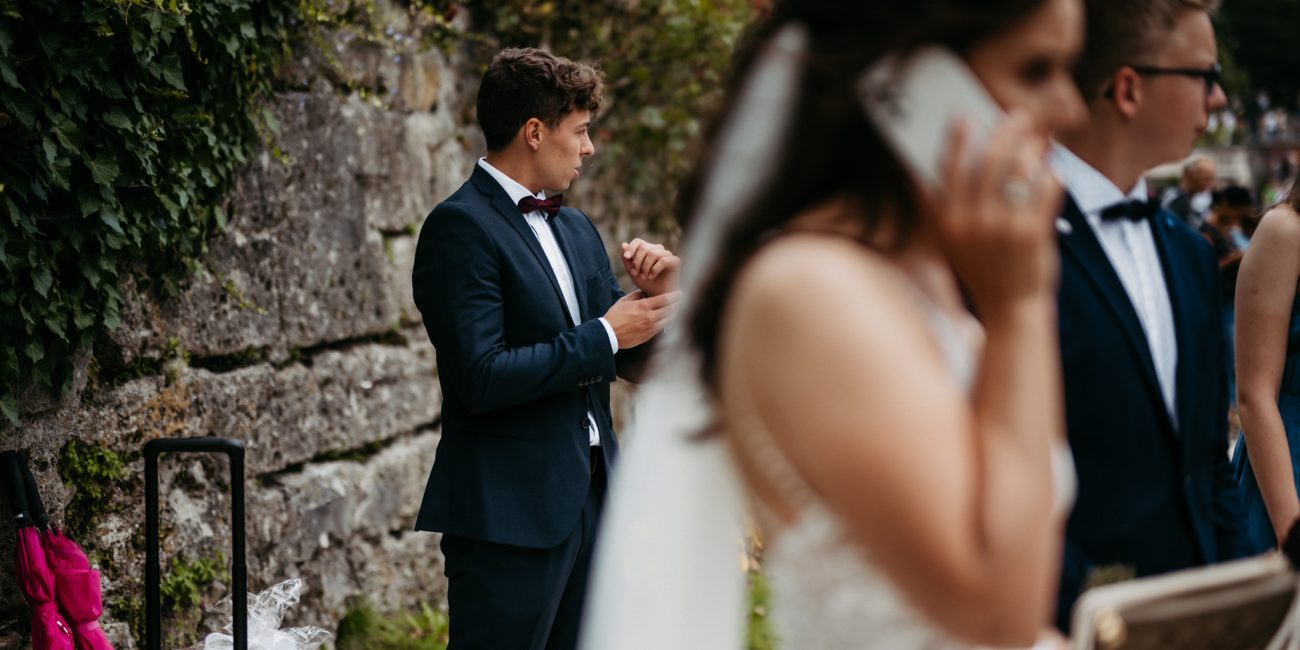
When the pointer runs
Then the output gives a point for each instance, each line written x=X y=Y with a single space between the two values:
x=1145 y=382
x=530 y=328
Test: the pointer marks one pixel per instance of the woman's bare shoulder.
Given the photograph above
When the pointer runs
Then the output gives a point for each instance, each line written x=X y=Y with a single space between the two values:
x=804 y=267
x=1280 y=221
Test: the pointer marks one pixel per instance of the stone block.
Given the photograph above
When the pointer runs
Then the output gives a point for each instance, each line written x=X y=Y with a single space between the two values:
x=400 y=252
x=420 y=81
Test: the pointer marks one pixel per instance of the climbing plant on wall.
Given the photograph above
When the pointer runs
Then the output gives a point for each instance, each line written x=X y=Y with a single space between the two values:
x=122 y=123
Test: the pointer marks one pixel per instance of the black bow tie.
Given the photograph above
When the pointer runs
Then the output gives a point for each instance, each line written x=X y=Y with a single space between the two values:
x=549 y=206
x=1132 y=209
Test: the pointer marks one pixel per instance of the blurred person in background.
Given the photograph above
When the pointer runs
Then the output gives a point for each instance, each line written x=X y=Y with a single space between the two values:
x=1191 y=198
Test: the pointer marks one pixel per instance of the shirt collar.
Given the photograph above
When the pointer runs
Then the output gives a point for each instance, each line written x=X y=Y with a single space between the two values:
x=512 y=187
x=1091 y=190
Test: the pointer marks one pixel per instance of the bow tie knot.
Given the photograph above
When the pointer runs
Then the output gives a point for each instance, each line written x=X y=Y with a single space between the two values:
x=549 y=206
x=1131 y=210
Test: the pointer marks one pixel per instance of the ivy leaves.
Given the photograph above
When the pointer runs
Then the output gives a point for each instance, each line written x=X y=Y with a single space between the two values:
x=121 y=126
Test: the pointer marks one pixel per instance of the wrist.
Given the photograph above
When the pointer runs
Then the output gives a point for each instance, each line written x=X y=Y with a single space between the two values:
x=1028 y=310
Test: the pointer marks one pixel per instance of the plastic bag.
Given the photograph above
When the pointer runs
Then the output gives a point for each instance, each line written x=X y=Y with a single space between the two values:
x=265 y=613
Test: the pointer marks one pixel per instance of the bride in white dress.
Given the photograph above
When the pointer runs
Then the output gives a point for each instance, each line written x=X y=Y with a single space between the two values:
x=903 y=458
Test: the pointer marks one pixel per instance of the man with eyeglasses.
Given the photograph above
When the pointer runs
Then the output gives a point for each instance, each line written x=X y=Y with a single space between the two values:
x=1141 y=339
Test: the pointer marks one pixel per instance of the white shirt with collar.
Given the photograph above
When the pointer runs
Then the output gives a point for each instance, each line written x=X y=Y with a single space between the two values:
x=1131 y=248
x=546 y=237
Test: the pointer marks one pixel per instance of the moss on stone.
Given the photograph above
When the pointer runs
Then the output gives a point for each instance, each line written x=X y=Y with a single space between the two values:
x=363 y=628
x=185 y=582
x=92 y=471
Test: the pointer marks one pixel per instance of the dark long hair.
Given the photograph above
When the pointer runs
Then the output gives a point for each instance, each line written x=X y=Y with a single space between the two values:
x=832 y=150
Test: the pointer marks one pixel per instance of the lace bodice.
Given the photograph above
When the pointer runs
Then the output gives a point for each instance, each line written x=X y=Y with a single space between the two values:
x=826 y=593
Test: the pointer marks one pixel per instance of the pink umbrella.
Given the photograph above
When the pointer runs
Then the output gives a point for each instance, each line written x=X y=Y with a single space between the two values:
x=77 y=589
x=49 y=630
x=76 y=585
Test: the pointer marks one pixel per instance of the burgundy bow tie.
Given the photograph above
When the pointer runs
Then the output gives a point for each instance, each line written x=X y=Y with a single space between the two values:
x=1132 y=210
x=550 y=206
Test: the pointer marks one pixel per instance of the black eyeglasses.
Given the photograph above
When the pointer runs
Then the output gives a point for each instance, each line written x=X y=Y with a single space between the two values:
x=1210 y=75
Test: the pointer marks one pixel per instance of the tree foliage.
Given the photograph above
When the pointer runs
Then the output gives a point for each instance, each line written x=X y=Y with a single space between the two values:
x=1255 y=35
x=665 y=64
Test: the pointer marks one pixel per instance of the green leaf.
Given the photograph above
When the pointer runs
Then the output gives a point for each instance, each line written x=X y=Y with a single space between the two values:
x=51 y=149
x=89 y=201
x=82 y=319
x=55 y=324
x=34 y=351
x=246 y=30
x=8 y=75
x=10 y=409
x=59 y=171
x=103 y=169
x=65 y=131
x=42 y=280
x=6 y=41
x=109 y=217
x=21 y=109
x=112 y=317
x=171 y=72
x=118 y=119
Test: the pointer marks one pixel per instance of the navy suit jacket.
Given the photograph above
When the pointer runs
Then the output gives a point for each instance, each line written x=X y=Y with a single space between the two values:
x=1151 y=495
x=518 y=376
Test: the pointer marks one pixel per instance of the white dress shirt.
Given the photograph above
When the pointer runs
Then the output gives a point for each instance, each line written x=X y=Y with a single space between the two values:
x=537 y=221
x=1131 y=248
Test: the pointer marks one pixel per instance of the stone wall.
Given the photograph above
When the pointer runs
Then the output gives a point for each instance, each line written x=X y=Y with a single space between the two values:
x=299 y=339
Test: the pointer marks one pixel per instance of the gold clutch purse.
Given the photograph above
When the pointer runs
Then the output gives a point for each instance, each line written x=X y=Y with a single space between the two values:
x=1239 y=605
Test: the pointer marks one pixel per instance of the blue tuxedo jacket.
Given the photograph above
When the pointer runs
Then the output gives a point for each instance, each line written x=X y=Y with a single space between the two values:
x=518 y=376
x=1151 y=496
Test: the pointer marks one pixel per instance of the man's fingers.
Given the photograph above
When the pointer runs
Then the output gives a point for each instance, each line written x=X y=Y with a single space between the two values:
x=663 y=300
x=633 y=295
x=630 y=248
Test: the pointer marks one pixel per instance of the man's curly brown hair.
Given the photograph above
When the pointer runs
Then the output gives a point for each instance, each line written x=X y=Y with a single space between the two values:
x=523 y=83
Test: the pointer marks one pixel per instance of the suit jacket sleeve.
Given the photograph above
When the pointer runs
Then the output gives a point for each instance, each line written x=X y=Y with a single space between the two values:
x=458 y=287
x=630 y=363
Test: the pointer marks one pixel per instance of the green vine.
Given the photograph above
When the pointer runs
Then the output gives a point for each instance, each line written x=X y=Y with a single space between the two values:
x=122 y=124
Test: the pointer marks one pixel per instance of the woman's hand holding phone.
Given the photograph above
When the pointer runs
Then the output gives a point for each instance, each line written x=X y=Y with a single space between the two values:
x=996 y=215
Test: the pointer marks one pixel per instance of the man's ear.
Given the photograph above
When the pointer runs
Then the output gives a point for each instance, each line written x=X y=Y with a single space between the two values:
x=1126 y=91
x=532 y=133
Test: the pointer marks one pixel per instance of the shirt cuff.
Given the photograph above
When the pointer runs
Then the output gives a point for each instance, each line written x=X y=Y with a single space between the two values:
x=613 y=339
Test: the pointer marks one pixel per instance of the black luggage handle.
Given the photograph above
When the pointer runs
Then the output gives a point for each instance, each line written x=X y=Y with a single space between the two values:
x=238 y=570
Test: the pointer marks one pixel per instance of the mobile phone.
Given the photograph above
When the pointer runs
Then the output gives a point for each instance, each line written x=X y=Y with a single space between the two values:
x=916 y=99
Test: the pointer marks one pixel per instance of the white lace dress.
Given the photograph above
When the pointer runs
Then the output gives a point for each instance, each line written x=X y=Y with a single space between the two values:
x=826 y=594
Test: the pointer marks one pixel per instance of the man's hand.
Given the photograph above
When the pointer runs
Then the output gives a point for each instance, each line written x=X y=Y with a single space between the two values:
x=636 y=318
x=652 y=267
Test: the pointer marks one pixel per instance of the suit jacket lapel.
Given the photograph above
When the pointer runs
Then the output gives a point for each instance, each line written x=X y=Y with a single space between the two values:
x=1174 y=264
x=561 y=224
x=501 y=201
x=1080 y=243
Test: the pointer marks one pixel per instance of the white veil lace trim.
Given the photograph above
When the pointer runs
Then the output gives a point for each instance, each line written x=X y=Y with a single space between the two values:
x=667 y=571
